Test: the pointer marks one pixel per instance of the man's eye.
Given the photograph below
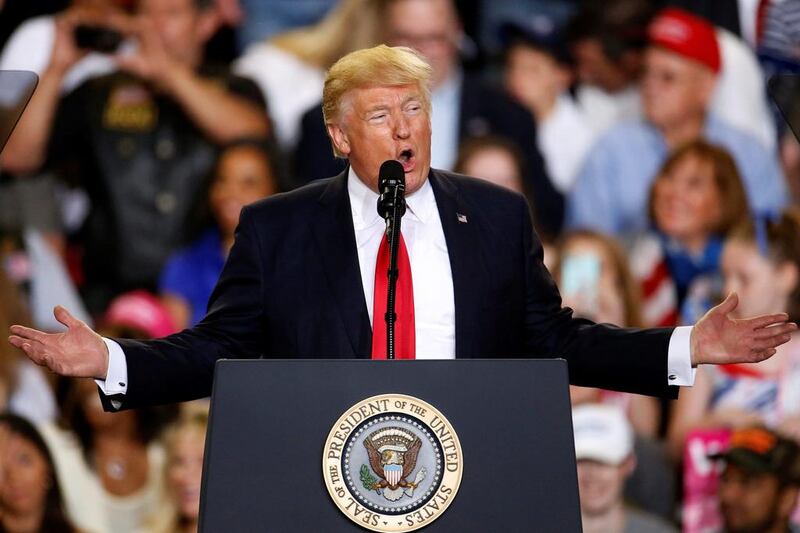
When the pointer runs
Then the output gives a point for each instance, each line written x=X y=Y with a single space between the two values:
x=378 y=117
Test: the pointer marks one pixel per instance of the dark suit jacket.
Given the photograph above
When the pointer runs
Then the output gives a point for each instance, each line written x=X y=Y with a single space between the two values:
x=483 y=110
x=292 y=288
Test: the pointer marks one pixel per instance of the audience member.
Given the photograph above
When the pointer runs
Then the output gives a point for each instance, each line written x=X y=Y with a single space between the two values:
x=110 y=465
x=245 y=172
x=24 y=389
x=696 y=199
x=759 y=483
x=30 y=495
x=761 y=262
x=592 y=272
x=681 y=67
x=184 y=445
x=139 y=141
x=607 y=41
x=290 y=67
x=495 y=159
x=604 y=451
x=464 y=106
x=538 y=74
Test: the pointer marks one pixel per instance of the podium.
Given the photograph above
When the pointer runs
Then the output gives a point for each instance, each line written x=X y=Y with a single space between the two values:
x=277 y=439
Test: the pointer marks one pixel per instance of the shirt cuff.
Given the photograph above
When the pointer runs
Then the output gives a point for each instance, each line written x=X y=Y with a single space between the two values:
x=679 y=358
x=116 y=381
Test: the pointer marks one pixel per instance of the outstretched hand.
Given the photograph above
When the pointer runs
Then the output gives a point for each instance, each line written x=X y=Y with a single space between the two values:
x=77 y=352
x=719 y=339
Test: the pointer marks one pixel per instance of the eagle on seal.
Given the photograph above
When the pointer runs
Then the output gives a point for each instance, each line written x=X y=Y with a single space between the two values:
x=393 y=456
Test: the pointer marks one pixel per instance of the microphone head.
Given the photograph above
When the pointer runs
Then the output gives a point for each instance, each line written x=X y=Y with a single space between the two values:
x=391 y=174
x=392 y=189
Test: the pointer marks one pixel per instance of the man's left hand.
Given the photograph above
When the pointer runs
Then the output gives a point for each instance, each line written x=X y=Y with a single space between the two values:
x=719 y=339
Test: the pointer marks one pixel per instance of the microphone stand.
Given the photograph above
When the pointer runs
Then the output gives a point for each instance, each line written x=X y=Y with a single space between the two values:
x=393 y=236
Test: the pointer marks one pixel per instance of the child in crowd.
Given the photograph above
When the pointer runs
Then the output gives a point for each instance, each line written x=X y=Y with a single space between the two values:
x=30 y=496
x=493 y=159
x=245 y=172
x=761 y=262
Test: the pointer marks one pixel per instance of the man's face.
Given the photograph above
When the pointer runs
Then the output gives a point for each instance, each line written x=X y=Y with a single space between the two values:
x=182 y=28
x=674 y=89
x=600 y=485
x=751 y=503
x=381 y=123
x=429 y=26
x=594 y=67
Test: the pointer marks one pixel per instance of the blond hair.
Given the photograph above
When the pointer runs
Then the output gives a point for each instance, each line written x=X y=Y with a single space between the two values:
x=193 y=420
x=380 y=66
x=350 y=25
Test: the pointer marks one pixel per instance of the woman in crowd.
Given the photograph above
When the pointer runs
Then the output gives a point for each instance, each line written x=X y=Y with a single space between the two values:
x=184 y=444
x=290 y=67
x=592 y=272
x=110 y=464
x=696 y=199
x=245 y=172
x=30 y=497
x=761 y=262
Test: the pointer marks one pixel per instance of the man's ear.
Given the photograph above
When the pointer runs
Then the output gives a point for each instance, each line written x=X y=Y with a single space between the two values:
x=339 y=139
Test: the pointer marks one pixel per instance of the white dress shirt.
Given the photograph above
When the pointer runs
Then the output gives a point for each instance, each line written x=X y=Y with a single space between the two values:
x=434 y=304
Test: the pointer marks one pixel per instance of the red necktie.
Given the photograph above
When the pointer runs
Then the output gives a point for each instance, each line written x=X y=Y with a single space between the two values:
x=404 y=345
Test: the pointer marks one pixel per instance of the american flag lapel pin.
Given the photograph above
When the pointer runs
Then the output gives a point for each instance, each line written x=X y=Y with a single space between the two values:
x=461 y=218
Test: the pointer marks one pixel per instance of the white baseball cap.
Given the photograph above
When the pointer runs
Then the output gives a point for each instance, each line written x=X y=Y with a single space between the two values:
x=602 y=433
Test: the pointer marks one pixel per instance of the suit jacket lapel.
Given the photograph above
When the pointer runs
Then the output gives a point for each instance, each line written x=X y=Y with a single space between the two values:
x=461 y=233
x=335 y=238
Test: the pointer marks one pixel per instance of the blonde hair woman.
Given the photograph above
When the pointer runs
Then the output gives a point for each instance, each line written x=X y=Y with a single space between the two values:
x=184 y=444
x=290 y=67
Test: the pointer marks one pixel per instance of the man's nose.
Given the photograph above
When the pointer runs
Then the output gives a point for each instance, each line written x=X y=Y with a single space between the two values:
x=401 y=128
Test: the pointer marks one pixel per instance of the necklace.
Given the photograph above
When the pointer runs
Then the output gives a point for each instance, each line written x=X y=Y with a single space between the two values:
x=116 y=468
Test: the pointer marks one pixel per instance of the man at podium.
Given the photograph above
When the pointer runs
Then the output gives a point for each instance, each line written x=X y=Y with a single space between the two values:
x=301 y=278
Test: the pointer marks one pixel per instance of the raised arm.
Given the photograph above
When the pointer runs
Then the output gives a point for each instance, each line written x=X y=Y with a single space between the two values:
x=222 y=115
x=26 y=149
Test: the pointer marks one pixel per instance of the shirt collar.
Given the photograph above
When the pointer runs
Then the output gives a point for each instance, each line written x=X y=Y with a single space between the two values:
x=363 y=202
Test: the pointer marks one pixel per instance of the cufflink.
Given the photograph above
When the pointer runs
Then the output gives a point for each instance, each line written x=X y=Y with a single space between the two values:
x=672 y=377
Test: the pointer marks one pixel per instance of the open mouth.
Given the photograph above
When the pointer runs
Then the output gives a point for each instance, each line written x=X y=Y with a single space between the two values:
x=406 y=158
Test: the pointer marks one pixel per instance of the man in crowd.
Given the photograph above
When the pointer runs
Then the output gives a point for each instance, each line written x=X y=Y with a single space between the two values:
x=604 y=451
x=760 y=482
x=303 y=276
x=140 y=141
x=681 y=68
x=464 y=106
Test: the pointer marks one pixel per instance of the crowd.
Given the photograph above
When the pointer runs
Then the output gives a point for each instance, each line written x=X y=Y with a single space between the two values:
x=660 y=176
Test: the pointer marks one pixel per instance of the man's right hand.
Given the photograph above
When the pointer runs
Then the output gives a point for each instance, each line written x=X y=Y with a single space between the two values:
x=77 y=352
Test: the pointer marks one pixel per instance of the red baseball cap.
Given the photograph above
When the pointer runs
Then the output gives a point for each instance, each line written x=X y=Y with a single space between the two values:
x=140 y=310
x=687 y=35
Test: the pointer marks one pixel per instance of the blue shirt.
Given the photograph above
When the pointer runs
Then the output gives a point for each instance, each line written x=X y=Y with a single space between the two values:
x=192 y=273
x=612 y=188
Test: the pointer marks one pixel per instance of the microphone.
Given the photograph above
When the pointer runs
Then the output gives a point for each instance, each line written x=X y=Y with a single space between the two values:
x=391 y=207
x=392 y=190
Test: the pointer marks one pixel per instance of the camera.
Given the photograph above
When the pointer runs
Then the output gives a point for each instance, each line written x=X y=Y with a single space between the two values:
x=98 y=38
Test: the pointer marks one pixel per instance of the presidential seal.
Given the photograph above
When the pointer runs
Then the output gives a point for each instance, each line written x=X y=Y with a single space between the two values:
x=392 y=463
